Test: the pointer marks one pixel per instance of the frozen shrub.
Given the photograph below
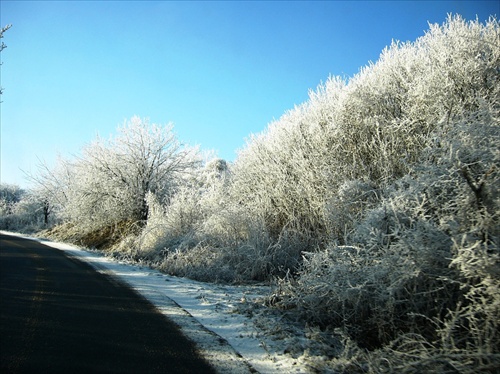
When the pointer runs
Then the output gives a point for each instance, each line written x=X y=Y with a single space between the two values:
x=10 y=196
x=189 y=208
x=348 y=206
x=362 y=162
x=247 y=261
x=230 y=246
x=413 y=270
x=420 y=281
x=376 y=290
x=287 y=170
x=372 y=128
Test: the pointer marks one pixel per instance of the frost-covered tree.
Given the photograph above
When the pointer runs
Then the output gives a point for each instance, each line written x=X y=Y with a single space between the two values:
x=53 y=184
x=110 y=180
x=2 y=30
x=23 y=210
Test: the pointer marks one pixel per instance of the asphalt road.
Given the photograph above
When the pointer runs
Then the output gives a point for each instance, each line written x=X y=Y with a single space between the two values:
x=57 y=314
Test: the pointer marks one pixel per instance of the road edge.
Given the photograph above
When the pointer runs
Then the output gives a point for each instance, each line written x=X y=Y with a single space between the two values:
x=214 y=348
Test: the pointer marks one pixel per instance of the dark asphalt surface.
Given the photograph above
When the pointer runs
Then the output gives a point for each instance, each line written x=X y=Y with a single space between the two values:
x=57 y=314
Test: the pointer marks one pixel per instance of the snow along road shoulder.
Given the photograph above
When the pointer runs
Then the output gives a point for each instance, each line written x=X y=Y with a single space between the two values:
x=205 y=312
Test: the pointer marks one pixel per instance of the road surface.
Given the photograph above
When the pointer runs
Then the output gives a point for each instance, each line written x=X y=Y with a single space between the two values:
x=58 y=314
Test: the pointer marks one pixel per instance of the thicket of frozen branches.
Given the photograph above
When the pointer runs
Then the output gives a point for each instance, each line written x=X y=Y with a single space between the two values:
x=379 y=197
x=413 y=270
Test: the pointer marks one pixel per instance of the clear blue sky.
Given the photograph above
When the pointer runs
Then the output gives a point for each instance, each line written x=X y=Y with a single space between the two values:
x=218 y=70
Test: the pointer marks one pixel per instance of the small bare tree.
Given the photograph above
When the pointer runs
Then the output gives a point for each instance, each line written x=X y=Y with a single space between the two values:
x=3 y=46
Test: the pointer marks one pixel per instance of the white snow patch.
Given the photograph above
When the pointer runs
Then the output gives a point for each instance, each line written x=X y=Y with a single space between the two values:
x=205 y=312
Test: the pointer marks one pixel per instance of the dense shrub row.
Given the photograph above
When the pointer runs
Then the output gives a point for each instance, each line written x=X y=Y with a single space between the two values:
x=378 y=198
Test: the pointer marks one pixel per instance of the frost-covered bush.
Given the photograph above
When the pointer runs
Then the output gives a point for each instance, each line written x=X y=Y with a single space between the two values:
x=256 y=259
x=172 y=224
x=371 y=129
x=202 y=234
x=391 y=108
x=420 y=281
x=412 y=266
x=351 y=201
x=349 y=166
x=10 y=196
x=285 y=174
x=383 y=284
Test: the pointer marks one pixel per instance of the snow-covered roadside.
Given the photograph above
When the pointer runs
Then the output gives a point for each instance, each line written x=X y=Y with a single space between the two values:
x=205 y=312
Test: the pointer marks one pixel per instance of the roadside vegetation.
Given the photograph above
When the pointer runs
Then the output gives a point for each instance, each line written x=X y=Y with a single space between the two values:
x=374 y=207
